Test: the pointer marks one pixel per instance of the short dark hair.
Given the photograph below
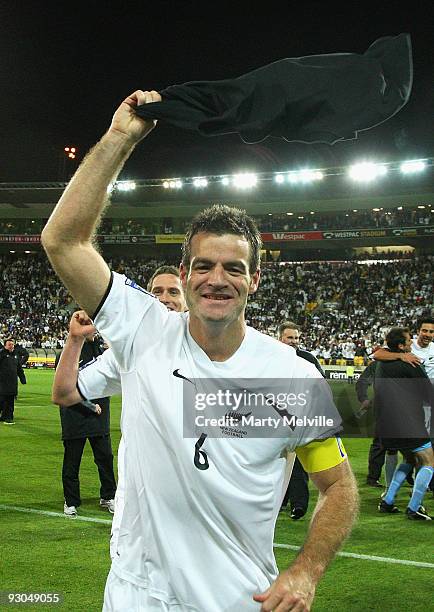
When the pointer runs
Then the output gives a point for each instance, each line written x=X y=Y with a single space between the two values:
x=396 y=336
x=162 y=270
x=221 y=219
x=428 y=319
x=287 y=325
x=10 y=340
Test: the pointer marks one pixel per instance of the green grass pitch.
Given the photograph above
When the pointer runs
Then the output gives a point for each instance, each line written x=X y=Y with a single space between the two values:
x=42 y=553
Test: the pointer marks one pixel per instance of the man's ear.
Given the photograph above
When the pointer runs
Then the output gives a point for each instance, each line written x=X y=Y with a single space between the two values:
x=254 y=281
x=183 y=274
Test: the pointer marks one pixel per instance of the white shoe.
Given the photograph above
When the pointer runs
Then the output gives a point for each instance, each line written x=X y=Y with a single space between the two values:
x=69 y=510
x=109 y=504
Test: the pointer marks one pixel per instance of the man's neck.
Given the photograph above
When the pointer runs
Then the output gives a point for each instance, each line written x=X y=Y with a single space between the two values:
x=219 y=342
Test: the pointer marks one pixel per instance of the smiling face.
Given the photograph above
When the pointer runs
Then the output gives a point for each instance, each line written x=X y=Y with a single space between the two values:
x=218 y=282
x=425 y=334
x=168 y=289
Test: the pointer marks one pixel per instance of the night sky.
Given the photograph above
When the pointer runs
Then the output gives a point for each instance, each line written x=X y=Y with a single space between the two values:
x=65 y=66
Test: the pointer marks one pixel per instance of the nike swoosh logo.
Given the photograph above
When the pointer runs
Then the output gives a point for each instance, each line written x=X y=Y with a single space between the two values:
x=179 y=375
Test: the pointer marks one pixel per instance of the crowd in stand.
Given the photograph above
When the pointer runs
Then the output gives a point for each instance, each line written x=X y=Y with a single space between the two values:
x=375 y=218
x=357 y=219
x=344 y=308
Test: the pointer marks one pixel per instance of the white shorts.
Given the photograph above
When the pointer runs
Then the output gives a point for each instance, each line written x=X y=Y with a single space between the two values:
x=123 y=596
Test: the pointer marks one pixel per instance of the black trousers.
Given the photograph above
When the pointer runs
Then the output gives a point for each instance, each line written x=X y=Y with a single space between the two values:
x=298 y=491
x=103 y=457
x=7 y=407
x=377 y=454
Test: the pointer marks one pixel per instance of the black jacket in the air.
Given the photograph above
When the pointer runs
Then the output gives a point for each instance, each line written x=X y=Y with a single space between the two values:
x=316 y=98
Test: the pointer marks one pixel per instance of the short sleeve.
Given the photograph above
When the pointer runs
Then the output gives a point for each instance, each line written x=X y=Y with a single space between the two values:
x=126 y=309
x=100 y=378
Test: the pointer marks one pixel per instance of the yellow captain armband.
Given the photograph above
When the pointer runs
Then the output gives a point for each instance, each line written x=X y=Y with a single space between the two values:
x=321 y=455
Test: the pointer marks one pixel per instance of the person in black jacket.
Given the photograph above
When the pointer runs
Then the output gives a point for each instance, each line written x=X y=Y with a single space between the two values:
x=80 y=423
x=400 y=393
x=378 y=456
x=298 y=491
x=10 y=370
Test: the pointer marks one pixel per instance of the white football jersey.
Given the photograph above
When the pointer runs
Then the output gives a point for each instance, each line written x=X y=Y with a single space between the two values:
x=196 y=536
x=427 y=355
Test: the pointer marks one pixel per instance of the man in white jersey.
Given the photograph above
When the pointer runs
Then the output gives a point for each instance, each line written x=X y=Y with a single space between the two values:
x=199 y=516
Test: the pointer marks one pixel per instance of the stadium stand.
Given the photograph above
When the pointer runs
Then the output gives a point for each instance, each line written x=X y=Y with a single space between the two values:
x=302 y=220
x=344 y=307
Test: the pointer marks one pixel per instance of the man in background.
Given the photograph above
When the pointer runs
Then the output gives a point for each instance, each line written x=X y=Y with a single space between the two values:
x=10 y=371
x=377 y=453
x=80 y=423
x=401 y=391
x=165 y=284
x=298 y=490
x=422 y=352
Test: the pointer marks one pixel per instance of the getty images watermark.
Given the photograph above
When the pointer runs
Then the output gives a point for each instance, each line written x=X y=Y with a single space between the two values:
x=234 y=400
x=259 y=408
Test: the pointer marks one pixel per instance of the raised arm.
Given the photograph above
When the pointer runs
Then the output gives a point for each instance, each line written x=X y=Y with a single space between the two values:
x=68 y=236
x=64 y=390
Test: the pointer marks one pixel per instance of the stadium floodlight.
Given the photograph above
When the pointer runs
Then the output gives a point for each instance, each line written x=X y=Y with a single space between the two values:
x=420 y=206
x=292 y=177
x=279 y=178
x=70 y=152
x=200 y=182
x=366 y=171
x=411 y=166
x=289 y=214
x=125 y=186
x=245 y=180
x=308 y=176
x=225 y=180
x=172 y=184
x=304 y=176
x=399 y=208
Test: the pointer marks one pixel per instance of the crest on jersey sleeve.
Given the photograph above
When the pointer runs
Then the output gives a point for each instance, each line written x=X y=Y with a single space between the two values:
x=134 y=285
